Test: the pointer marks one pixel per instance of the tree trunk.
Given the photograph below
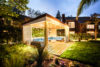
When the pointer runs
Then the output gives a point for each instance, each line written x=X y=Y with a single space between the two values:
x=7 y=36
x=46 y=34
x=96 y=30
x=77 y=28
x=79 y=40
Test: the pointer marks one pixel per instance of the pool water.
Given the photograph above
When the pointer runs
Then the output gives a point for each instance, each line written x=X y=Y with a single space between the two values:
x=50 y=38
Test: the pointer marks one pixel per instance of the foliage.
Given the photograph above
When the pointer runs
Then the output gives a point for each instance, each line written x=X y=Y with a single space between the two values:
x=7 y=5
x=22 y=55
x=81 y=36
x=19 y=12
x=86 y=52
x=37 y=32
x=32 y=13
x=9 y=10
x=42 y=53
x=17 y=55
x=9 y=32
x=83 y=4
x=58 y=15
x=52 y=65
x=57 y=61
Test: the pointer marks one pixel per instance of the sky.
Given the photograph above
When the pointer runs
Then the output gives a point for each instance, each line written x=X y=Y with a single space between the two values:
x=67 y=7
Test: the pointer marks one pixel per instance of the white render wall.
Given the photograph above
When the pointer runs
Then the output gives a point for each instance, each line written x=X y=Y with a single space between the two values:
x=27 y=34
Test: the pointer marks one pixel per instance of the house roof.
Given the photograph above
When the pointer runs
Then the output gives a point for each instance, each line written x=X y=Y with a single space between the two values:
x=80 y=19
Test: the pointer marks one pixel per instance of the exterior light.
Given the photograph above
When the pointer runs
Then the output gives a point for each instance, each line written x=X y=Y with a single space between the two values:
x=5 y=31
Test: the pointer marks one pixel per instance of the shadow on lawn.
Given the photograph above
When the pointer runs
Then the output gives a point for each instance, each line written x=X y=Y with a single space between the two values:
x=95 y=41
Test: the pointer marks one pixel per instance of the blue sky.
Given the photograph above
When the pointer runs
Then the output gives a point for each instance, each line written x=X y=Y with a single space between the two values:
x=69 y=7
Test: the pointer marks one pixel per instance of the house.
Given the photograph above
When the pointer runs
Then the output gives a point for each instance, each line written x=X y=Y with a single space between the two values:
x=83 y=25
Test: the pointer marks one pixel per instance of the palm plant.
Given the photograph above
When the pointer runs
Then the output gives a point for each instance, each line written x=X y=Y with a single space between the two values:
x=42 y=53
x=84 y=4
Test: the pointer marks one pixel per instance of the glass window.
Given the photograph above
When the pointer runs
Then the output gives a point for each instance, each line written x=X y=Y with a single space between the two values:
x=37 y=32
x=60 y=32
x=99 y=27
x=90 y=26
x=71 y=24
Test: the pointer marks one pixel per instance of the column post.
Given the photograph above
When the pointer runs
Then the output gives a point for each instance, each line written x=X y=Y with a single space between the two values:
x=66 y=34
x=46 y=34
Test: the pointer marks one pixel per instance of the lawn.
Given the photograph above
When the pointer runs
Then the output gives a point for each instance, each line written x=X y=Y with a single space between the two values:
x=85 y=52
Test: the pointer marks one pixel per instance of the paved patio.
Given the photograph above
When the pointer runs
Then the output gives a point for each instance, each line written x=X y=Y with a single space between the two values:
x=58 y=48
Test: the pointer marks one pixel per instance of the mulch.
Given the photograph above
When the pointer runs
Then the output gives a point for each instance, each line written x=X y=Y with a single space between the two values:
x=60 y=63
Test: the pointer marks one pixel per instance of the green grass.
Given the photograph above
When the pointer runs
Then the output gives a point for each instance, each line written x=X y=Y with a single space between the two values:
x=86 y=52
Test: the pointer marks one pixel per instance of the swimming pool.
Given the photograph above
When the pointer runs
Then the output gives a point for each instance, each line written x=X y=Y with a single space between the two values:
x=49 y=38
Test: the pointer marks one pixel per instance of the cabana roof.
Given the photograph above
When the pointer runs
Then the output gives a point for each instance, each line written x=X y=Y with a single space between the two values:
x=39 y=21
x=44 y=15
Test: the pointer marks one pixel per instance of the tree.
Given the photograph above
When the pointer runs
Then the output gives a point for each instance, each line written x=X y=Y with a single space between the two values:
x=38 y=13
x=95 y=20
x=9 y=9
x=42 y=53
x=58 y=16
x=32 y=13
x=17 y=11
x=7 y=5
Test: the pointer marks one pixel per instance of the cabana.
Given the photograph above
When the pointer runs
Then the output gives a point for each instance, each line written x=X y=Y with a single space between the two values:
x=45 y=28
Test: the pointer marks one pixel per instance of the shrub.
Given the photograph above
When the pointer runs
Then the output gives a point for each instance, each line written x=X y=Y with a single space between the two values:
x=14 y=61
x=56 y=61
x=22 y=55
x=74 y=37
x=17 y=55
x=80 y=36
x=86 y=36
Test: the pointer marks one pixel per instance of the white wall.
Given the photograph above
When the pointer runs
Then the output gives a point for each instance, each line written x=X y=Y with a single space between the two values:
x=27 y=34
